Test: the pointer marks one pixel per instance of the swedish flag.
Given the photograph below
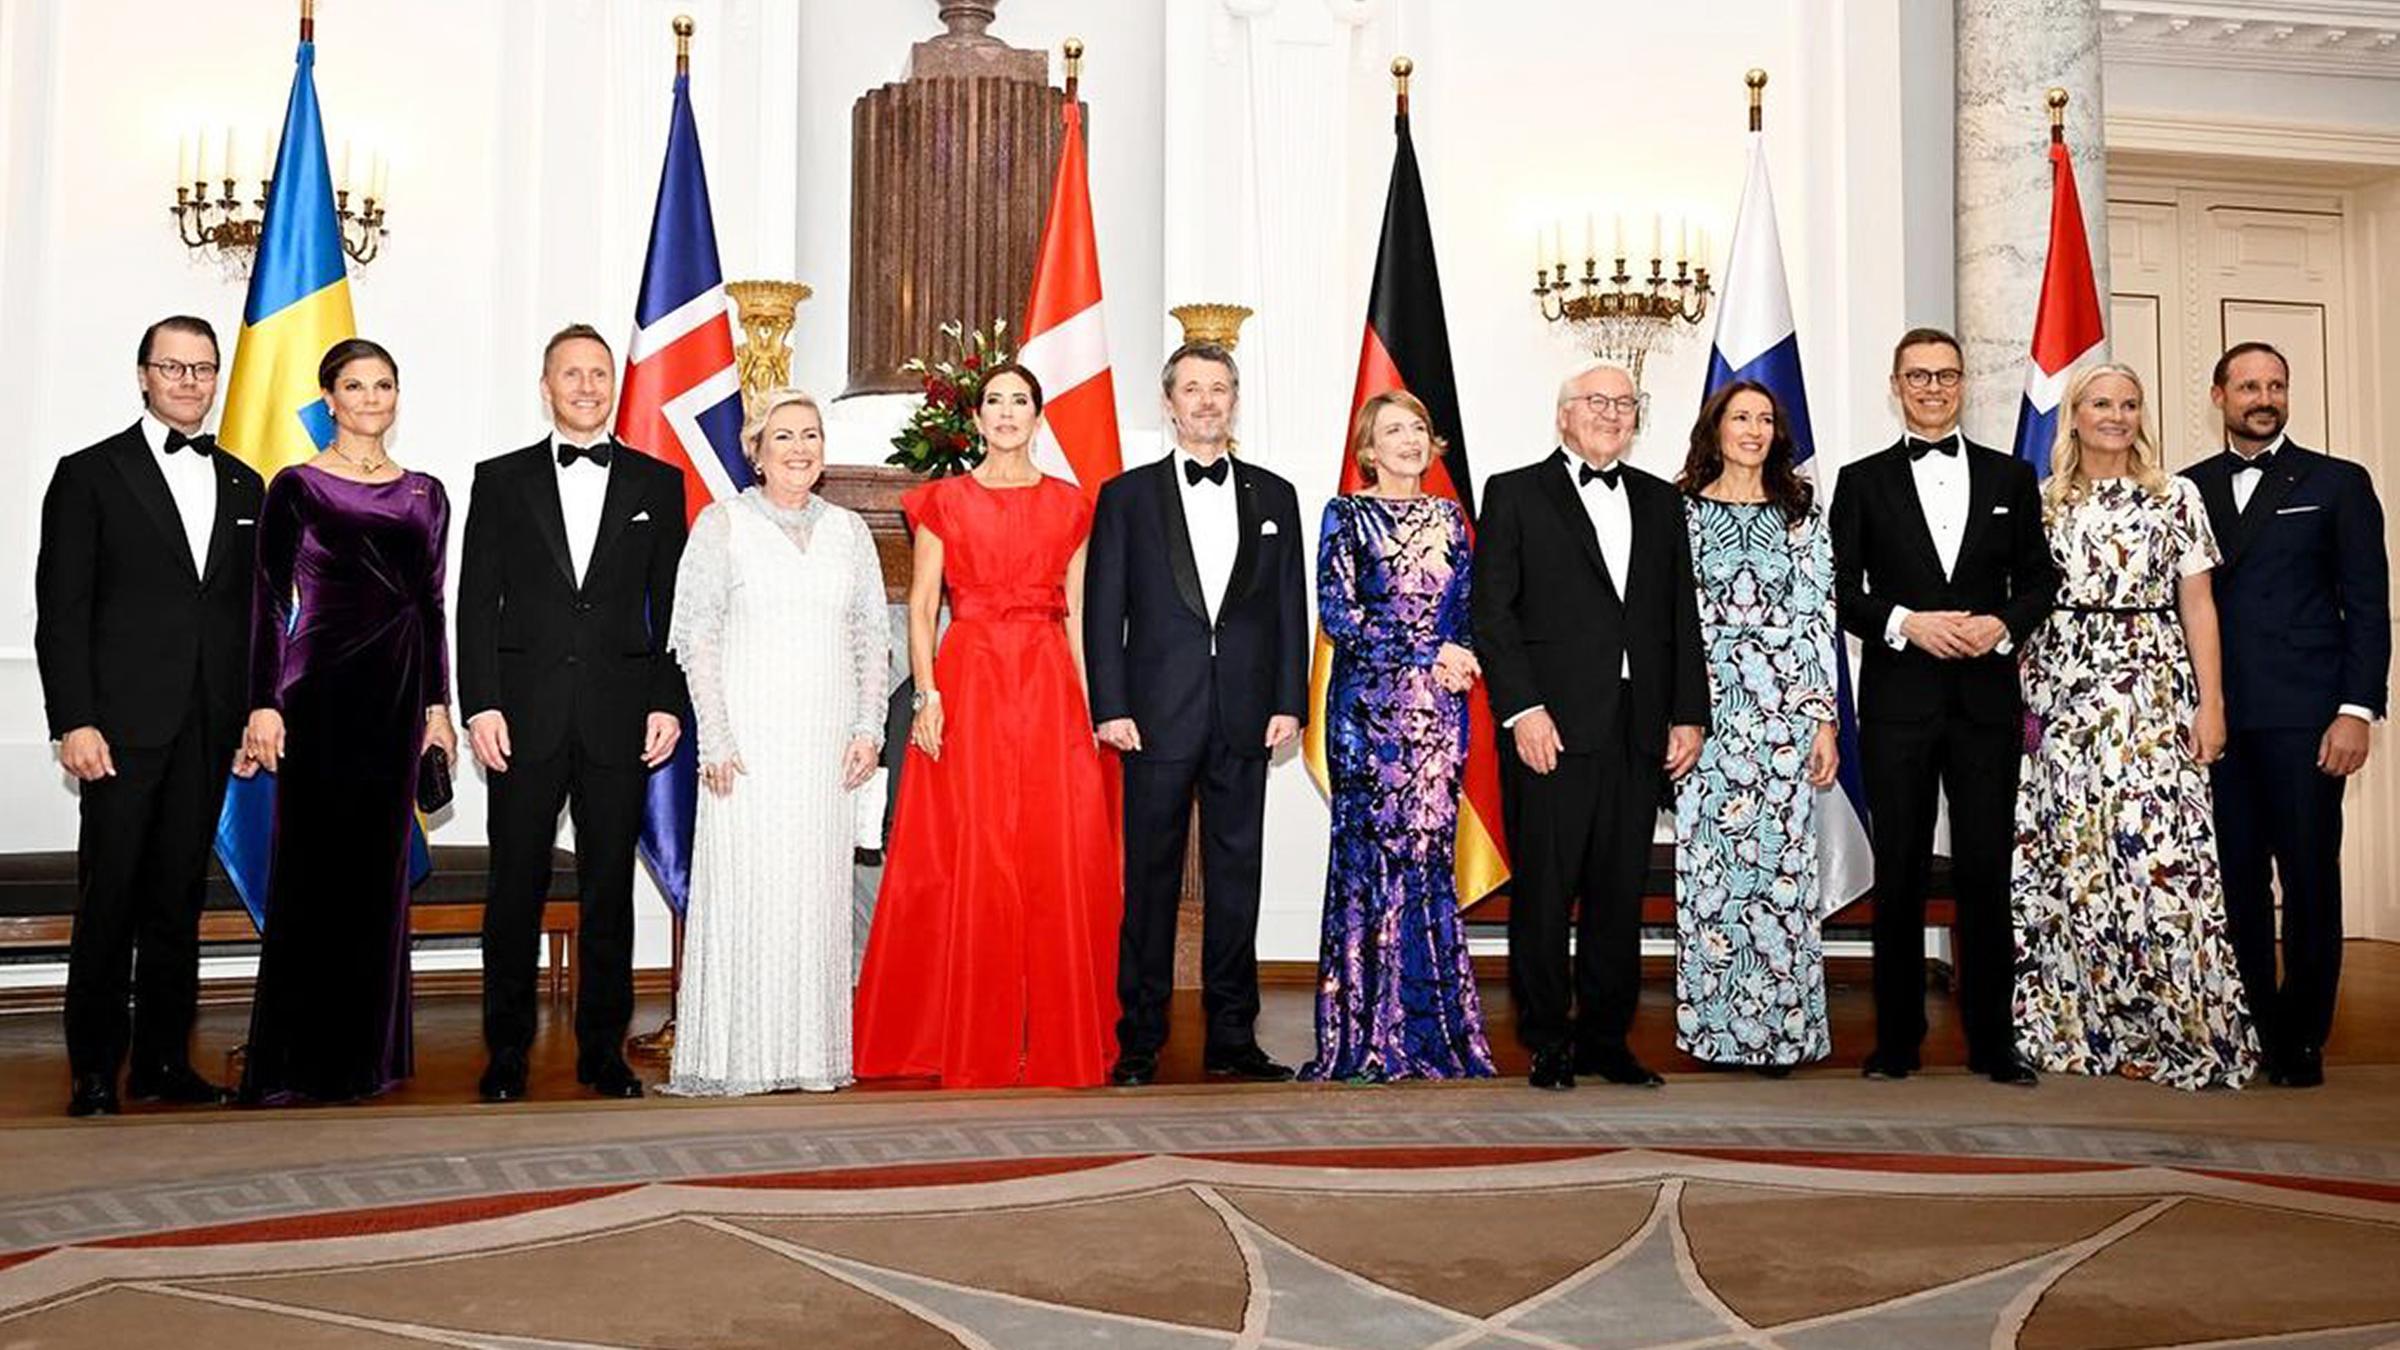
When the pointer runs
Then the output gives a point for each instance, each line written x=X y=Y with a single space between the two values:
x=275 y=416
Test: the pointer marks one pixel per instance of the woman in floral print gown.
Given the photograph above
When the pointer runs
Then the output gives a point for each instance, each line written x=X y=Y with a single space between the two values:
x=2123 y=963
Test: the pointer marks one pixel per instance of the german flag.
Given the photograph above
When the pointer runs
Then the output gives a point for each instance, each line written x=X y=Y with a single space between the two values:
x=1407 y=346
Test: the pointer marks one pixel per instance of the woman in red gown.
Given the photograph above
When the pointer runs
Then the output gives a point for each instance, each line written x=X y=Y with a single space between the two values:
x=993 y=959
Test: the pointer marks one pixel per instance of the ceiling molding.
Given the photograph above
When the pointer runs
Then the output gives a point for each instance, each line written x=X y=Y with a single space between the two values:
x=2355 y=38
x=2369 y=148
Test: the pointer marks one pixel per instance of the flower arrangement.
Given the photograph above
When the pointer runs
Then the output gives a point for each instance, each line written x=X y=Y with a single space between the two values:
x=939 y=438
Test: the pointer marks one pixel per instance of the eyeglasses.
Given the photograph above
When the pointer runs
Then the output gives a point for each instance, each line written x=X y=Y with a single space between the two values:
x=1623 y=406
x=1920 y=379
x=174 y=371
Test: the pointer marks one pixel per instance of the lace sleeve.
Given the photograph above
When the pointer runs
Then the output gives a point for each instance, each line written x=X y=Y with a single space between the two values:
x=870 y=632
x=696 y=634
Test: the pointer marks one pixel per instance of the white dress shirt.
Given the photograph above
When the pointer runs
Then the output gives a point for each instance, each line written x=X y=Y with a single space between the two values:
x=1942 y=495
x=192 y=482
x=1215 y=524
x=2247 y=477
x=1612 y=521
x=582 y=488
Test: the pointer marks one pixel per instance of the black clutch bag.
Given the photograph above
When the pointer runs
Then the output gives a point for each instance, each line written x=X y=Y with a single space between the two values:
x=433 y=779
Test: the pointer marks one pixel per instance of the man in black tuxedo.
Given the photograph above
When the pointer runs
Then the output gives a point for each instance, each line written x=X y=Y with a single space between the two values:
x=1196 y=645
x=2304 y=606
x=1589 y=631
x=142 y=634
x=1942 y=570
x=567 y=583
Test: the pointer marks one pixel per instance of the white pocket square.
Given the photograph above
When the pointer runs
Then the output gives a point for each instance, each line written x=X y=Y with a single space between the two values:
x=638 y=517
x=1268 y=526
x=1999 y=510
x=244 y=520
x=2292 y=510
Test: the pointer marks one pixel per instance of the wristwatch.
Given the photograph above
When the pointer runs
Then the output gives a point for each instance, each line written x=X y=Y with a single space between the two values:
x=918 y=700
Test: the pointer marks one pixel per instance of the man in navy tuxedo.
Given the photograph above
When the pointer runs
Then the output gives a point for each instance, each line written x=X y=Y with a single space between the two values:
x=1195 y=622
x=2304 y=604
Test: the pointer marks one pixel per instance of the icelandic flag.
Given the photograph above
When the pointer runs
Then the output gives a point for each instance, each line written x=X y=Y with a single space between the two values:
x=682 y=404
x=275 y=416
x=1757 y=340
x=2067 y=328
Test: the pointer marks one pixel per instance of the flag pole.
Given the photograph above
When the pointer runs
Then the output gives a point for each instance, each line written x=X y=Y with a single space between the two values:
x=1756 y=80
x=683 y=45
x=308 y=20
x=1072 y=49
x=1402 y=68
x=2057 y=99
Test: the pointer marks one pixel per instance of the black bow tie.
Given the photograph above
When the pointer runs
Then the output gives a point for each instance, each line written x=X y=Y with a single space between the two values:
x=597 y=453
x=201 y=444
x=2262 y=463
x=1919 y=448
x=1194 y=471
x=1585 y=473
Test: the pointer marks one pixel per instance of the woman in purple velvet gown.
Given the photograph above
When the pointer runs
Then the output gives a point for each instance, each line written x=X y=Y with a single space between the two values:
x=1395 y=988
x=348 y=662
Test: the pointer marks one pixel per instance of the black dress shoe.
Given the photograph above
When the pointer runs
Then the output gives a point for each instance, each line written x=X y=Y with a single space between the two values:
x=2303 y=1068
x=2009 y=1070
x=1621 y=1068
x=94 y=1095
x=1248 y=1063
x=173 y=1083
x=1885 y=1068
x=1135 y=1068
x=611 y=1078
x=1553 y=1070
x=504 y=1078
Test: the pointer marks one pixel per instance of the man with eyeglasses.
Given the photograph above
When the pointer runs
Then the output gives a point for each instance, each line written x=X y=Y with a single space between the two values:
x=1588 y=627
x=141 y=631
x=2304 y=604
x=1942 y=571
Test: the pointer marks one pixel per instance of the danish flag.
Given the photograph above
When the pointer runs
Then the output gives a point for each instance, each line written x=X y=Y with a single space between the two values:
x=682 y=404
x=1066 y=341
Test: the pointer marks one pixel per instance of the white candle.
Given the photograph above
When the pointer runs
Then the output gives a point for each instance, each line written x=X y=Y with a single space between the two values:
x=1540 y=263
x=345 y=183
x=383 y=180
x=200 y=157
x=1683 y=241
x=1558 y=246
x=1590 y=246
x=183 y=161
x=1654 y=236
x=1620 y=236
x=266 y=156
x=233 y=156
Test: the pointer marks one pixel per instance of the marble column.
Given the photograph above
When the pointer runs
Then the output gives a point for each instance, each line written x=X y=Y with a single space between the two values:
x=2009 y=54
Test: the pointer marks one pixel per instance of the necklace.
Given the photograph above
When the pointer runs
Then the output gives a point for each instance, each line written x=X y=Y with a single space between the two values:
x=375 y=466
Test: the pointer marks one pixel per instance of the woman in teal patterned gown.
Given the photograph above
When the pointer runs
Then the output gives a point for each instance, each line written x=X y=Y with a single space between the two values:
x=1749 y=968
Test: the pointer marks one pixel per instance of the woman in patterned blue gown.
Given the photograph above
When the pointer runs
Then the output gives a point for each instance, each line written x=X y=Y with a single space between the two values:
x=1749 y=967
x=1395 y=988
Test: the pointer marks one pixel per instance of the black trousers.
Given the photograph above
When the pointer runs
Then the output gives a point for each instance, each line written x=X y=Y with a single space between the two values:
x=141 y=866
x=1232 y=790
x=2279 y=819
x=1974 y=764
x=1581 y=830
x=606 y=801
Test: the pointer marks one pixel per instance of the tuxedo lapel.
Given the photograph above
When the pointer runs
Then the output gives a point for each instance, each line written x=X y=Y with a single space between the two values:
x=1178 y=534
x=1246 y=517
x=139 y=468
x=616 y=508
x=2291 y=465
x=1983 y=493
x=2214 y=478
x=548 y=515
x=221 y=528
x=1910 y=508
x=1556 y=483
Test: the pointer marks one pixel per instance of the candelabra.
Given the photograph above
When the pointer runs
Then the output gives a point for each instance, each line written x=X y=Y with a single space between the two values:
x=1621 y=316
x=227 y=228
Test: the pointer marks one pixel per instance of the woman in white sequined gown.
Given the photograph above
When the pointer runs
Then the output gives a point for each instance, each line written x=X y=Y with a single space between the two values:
x=780 y=626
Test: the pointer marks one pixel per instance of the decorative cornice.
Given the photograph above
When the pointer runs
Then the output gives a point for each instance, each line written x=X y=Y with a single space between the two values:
x=2172 y=133
x=2355 y=38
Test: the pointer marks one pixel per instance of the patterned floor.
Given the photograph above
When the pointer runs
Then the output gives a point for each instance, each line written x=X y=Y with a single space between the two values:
x=1291 y=1219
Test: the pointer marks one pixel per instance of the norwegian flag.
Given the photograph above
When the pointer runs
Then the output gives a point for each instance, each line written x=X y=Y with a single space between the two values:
x=1066 y=340
x=682 y=404
x=2067 y=329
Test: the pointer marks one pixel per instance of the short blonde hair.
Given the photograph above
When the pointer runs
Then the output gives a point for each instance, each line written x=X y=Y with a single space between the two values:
x=1362 y=428
x=770 y=403
x=2068 y=484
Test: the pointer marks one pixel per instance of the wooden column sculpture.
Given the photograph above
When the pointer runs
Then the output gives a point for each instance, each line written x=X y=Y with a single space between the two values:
x=950 y=174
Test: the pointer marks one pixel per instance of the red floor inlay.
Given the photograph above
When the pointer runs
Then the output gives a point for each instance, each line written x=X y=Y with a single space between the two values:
x=1916 y=1163
x=920 y=1174
x=8 y=1259
x=360 y=1222
x=1466 y=1155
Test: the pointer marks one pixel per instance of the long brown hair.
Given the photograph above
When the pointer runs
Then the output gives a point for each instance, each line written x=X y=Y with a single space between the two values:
x=1704 y=462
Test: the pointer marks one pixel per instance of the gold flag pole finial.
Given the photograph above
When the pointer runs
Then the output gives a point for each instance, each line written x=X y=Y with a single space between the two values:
x=683 y=44
x=308 y=20
x=2057 y=99
x=1402 y=68
x=1072 y=48
x=1756 y=80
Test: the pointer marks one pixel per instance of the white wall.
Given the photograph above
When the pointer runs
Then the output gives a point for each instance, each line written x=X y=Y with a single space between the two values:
x=1239 y=152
